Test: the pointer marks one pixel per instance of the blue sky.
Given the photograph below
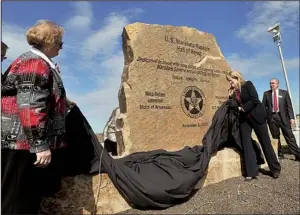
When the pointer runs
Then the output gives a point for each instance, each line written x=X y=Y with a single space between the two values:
x=92 y=60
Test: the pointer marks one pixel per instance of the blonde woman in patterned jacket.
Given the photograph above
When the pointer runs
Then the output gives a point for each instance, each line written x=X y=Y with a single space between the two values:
x=32 y=121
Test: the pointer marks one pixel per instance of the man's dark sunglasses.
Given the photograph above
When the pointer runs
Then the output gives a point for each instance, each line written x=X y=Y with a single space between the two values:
x=3 y=57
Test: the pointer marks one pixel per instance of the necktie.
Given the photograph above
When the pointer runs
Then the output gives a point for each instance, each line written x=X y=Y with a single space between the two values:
x=275 y=105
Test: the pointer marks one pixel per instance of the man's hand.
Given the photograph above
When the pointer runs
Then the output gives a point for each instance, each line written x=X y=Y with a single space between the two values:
x=241 y=109
x=43 y=158
x=292 y=121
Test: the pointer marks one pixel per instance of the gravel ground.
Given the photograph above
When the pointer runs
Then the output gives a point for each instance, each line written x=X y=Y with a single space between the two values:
x=235 y=196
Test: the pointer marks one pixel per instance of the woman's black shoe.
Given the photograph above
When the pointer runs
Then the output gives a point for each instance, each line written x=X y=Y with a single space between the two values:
x=281 y=156
x=276 y=175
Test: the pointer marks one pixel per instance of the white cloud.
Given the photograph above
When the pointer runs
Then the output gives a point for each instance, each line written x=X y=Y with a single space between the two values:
x=14 y=37
x=293 y=63
x=263 y=66
x=102 y=62
x=83 y=18
x=265 y=63
x=98 y=104
x=296 y=103
x=260 y=65
x=266 y=14
x=68 y=75
x=106 y=39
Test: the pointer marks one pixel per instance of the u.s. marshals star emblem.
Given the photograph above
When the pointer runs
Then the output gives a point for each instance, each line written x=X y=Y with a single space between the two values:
x=192 y=102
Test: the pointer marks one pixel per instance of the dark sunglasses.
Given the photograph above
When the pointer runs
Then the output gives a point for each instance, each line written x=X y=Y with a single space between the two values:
x=61 y=45
x=3 y=57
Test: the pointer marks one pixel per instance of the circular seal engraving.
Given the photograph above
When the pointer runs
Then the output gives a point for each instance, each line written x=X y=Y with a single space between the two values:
x=192 y=102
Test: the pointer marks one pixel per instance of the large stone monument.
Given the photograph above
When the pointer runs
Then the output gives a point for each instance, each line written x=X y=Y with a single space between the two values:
x=173 y=82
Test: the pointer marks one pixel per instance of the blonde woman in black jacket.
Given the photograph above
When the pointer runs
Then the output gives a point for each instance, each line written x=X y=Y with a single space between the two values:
x=252 y=116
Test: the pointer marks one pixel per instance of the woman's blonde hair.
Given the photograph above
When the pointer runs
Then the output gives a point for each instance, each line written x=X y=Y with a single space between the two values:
x=237 y=76
x=44 y=34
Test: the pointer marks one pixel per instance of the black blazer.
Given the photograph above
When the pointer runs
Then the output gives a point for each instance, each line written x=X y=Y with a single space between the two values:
x=285 y=106
x=251 y=104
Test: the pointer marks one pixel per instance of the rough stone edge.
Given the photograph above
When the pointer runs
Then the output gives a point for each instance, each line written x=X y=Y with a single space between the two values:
x=121 y=120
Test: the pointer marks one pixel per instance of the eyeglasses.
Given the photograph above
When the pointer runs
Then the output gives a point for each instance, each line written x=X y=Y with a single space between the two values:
x=61 y=45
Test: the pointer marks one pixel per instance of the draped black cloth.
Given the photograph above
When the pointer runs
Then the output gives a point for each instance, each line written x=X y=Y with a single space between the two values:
x=155 y=179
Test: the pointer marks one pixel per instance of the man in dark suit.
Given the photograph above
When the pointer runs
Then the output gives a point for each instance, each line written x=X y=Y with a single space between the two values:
x=280 y=115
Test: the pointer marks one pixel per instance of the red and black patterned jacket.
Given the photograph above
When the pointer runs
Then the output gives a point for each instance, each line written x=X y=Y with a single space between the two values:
x=33 y=106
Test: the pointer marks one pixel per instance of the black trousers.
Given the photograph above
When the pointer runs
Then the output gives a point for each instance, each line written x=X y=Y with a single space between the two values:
x=23 y=184
x=261 y=131
x=288 y=135
x=111 y=147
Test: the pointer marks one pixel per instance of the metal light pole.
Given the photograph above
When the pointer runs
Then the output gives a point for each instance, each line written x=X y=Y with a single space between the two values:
x=277 y=39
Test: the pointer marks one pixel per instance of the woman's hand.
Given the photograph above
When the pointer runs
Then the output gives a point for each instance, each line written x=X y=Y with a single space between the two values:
x=241 y=109
x=70 y=102
x=43 y=158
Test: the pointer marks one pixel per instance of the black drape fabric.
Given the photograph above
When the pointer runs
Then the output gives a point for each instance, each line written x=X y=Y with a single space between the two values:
x=155 y=179
x=20 y=182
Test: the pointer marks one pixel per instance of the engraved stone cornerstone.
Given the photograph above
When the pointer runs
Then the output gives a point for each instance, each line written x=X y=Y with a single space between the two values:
x=173 y=82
